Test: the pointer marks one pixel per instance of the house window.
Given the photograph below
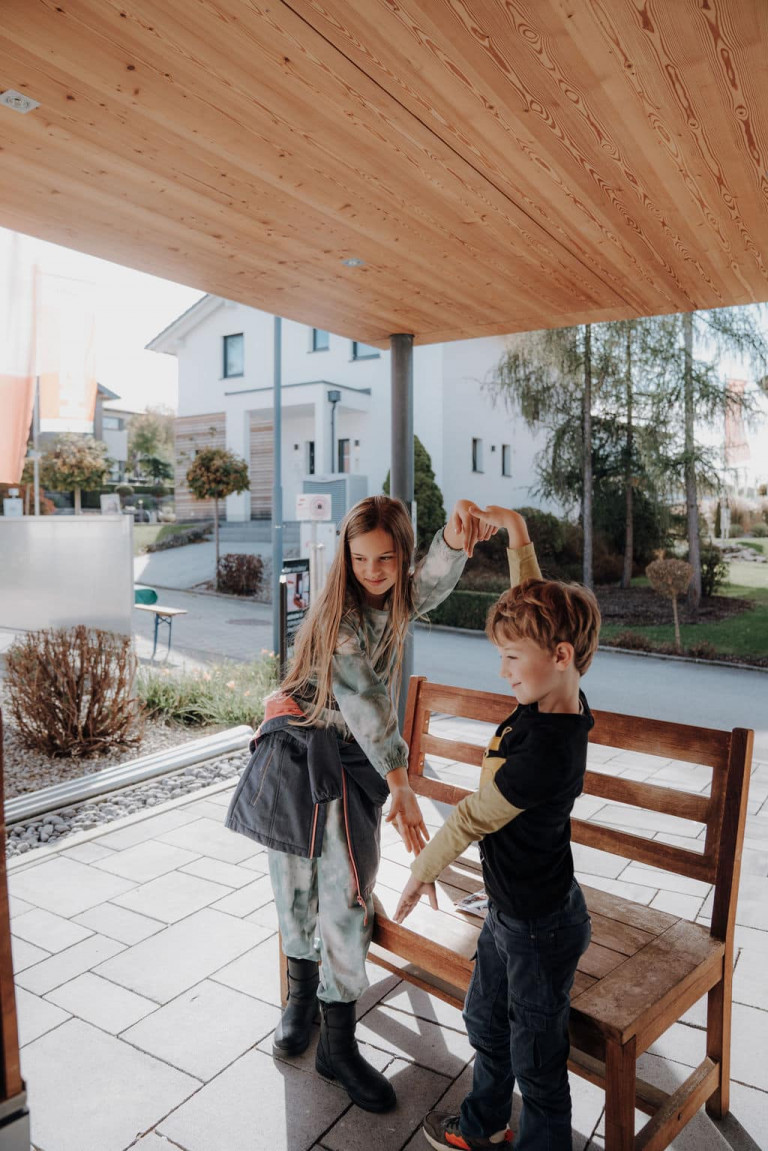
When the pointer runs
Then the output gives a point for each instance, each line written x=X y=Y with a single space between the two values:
x=363 y=351
x=477 y=455
x=320 y=340
x=310 y=457
x=343 y=456
x=234 y=359
x=112 y=423
x=506 y=459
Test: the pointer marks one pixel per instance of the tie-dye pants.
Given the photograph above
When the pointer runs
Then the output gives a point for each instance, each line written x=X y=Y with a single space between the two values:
x=319 y=915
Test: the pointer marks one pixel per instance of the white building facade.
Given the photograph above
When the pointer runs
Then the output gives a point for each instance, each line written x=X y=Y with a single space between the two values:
x=336 y=411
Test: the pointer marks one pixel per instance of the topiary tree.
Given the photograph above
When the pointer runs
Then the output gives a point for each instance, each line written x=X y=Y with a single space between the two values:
x=430 y=510
x=671 y=578
x=214 y=474
x=72 y=463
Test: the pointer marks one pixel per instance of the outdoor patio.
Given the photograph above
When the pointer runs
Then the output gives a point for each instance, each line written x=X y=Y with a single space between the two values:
x=147 y=990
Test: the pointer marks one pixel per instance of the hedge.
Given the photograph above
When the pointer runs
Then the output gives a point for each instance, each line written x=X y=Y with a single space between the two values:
x=467 y=609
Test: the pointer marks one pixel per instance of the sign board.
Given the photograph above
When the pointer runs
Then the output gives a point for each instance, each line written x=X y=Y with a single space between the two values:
x=110 y=504
x=13 y=506
x=295 y=575
x=313 y=506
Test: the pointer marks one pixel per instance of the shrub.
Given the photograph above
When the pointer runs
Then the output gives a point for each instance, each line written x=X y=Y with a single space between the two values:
x=179 y=539
x=633 y=640
x=124 y=489
x=760 y=530
x=547 y=533
x=71 y=690
x=702 y=649
x=714 y=569
x=607 y=568
x=467 y=609
x=734 y=531
x=240 y=574
x=430 y=509
x=670 y=578
x=228 y=693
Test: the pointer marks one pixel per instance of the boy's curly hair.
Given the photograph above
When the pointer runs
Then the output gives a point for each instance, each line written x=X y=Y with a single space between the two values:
x=548 y=612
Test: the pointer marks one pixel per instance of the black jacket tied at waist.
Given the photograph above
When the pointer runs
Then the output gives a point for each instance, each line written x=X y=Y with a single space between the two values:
x=292 y=774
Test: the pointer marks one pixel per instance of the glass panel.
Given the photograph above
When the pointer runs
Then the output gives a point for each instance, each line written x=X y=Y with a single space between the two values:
x=234 y=359
x=58 y=571
x=343 y=455
x=320 y=340
x=363 y=351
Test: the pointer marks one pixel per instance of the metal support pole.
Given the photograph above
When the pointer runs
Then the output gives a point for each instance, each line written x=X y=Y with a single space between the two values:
x=277 y=487
x=401 y=475
x=35 y=434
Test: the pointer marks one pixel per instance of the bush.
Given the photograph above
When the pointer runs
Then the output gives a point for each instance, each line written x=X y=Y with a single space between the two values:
x=632 y=640
x=71 y=691
x=179 y=539
x=760 y=530
x=547 y=533
x=607 y=568
x=703 y=649
x=714 y=569
x=228 y=693
x=240 y=574
x=467 y=609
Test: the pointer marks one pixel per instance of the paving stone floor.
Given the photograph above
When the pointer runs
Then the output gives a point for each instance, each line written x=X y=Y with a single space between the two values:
x=147 y=991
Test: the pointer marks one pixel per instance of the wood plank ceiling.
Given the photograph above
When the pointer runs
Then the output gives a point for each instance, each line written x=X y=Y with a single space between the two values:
x=497 y=165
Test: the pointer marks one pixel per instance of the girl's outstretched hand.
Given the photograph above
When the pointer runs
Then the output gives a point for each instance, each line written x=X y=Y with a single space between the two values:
x=466 y=527
x=412 y=893
x=405 y=813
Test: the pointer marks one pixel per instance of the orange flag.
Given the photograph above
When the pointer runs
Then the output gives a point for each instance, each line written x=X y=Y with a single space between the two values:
x=17 y=352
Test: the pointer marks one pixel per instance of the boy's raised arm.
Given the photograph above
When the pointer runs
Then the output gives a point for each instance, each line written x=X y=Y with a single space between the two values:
x=521 y=554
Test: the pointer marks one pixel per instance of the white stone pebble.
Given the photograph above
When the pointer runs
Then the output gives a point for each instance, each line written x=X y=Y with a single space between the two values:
x=54 y=826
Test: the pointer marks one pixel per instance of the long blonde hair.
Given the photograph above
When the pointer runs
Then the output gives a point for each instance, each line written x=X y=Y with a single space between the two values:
x=311 y=673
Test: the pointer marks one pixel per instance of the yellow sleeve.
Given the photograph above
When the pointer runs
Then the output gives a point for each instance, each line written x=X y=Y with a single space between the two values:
x=477 y=815
x=522 y=564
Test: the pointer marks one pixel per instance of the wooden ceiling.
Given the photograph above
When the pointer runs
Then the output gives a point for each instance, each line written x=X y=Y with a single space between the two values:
x=498 y=165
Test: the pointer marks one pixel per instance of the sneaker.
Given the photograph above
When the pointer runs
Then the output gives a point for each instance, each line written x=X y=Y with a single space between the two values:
x=443 y=1130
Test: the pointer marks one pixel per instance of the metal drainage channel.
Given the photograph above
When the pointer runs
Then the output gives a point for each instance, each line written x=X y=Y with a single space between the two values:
x=86 y=787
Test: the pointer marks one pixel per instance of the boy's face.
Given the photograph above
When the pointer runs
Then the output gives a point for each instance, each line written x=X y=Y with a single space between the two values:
x=530 y=670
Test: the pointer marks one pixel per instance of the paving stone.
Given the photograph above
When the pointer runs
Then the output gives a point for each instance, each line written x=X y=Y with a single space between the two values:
x=66 y=886
x=748 y=1118
x=750 y=985
x=751 y=938
x=230 y=1113
x=247 y=899
x=172 y=897
x=18 y=907
x=155 y=1142
x=204 y=1029
x=211 y=838
x=417 y=1091
x=749 y=1047
x=640 y=893
x=665 y=880
x=88 y=852
x=256 y=973
x=49 y=931
x=229 y=874
x=121 y=1092
x=26 y=954
x=168 y=963
x=35 y=1016
x=416 y=1040
x=119 y=923
x=596 y=862
x=266 y=916
x=639 y=820
x=204 y=809
x=146 y=861
x=686 y=906
x=148 y=828
x=101 y=1002
x=67 y=964
x=413 y=1001
x=586 y=806
x=380 y=983
x=258 y=862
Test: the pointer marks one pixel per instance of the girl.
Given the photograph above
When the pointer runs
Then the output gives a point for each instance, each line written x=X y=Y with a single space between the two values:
x=327 y=756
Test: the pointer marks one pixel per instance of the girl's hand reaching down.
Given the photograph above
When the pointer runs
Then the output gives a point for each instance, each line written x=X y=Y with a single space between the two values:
x=405 y=813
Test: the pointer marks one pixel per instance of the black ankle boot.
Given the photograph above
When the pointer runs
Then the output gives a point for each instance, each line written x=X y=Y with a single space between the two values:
x=338 y=1058
x=294 y=1030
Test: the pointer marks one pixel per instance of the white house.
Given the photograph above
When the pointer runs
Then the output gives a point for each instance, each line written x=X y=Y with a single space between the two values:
x=336 y=410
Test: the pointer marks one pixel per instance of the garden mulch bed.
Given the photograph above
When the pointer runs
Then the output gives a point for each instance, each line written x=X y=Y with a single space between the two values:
x=637 y=606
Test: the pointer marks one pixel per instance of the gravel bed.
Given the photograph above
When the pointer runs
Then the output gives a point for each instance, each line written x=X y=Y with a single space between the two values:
x=26 y=770
x=55 y=826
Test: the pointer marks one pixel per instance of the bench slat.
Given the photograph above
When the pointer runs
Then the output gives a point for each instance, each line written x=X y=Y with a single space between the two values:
x=618 y=936
x=683 y=804
x=682 y=741
x=651 y=851
x=627 y=999
x=626 y=911
x=471 y=753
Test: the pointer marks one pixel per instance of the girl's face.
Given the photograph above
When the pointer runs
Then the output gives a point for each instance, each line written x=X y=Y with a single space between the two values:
x=375 y=564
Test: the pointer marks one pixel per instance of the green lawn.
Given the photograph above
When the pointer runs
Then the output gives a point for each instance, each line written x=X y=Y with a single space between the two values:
x=144 y=534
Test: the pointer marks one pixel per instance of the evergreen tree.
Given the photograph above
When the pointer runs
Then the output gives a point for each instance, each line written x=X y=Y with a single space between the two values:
x=430 y=510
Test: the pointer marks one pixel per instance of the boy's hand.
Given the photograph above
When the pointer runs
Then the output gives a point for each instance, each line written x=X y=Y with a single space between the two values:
x=467 y=526
x=405 y=813
x=506 y=518
x=412 y=893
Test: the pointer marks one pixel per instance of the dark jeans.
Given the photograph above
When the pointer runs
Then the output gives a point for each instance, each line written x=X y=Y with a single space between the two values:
x=516 y=1013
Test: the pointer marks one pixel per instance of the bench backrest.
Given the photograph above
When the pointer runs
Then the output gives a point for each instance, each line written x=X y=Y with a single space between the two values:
x=723 y=811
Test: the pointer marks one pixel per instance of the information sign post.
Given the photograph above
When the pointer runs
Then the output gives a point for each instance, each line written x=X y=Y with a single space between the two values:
x=294 y=604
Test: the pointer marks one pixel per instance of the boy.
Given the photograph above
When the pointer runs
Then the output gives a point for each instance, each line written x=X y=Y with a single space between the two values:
x=537 y=927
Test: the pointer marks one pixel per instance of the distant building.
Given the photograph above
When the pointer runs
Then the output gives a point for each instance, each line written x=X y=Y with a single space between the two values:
x=335 y=411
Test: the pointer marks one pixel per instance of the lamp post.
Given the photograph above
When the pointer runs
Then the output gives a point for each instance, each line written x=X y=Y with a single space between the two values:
x=277 y=486
x=334 y=395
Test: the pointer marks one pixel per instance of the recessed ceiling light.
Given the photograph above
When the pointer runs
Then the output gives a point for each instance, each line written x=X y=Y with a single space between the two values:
x=353 y=262
x=18 y=101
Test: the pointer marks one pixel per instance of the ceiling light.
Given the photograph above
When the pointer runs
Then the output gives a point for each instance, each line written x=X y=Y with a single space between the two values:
x=353 y=262
x=18 y=101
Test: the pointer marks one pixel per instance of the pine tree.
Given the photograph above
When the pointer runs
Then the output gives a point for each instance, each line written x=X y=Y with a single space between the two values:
x=430 y=510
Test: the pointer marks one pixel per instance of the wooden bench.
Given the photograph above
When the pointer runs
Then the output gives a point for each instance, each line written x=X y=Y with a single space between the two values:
x=645 y=968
